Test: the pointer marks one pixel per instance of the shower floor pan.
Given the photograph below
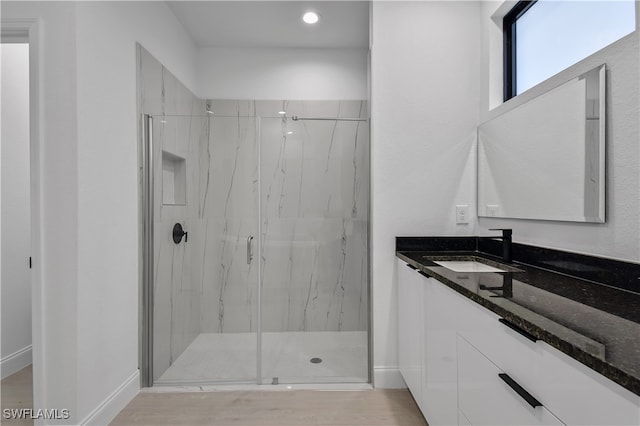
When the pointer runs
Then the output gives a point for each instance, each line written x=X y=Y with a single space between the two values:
x=231 y=358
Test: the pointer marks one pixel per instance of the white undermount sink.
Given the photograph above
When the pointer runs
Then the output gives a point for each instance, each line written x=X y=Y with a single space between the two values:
x=467 y=266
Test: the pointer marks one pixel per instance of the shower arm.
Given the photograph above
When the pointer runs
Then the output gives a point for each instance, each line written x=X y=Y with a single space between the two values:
x=296 y=118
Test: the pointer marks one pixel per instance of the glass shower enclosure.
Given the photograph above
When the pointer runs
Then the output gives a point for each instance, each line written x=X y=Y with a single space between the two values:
x=255 y=244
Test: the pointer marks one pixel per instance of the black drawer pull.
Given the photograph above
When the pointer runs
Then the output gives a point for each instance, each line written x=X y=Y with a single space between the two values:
x=518 y=330
x=424 y=274
x=520 y=391
x=412 y=267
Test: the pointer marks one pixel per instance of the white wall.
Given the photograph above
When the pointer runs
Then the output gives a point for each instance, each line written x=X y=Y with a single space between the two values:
x=618 y=237
x=425 y=95
x=108 y=221
x=275 y=74
x=55 y=355
x=89 y=185
x=16 y=221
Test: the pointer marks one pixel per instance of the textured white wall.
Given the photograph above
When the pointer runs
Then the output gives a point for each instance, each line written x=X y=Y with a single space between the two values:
x=619 y=237
x=275 y=74
x=425 y=95
x=16 y=220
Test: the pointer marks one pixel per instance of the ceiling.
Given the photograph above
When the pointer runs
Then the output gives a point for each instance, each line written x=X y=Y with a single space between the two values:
x=213 y=23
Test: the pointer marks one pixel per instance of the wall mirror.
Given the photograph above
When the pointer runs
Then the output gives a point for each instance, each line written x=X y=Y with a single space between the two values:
x=545 y=159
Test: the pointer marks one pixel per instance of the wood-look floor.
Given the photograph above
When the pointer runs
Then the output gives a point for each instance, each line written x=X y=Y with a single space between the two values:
x=266 y=408
x=16 y=391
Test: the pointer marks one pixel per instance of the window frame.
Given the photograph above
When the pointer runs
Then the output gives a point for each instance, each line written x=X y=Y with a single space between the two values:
x=509 y=21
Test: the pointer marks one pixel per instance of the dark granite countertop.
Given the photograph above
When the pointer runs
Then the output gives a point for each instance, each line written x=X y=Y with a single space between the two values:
x=596 y=324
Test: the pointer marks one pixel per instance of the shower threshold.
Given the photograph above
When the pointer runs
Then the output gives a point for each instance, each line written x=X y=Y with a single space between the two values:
x=254 y=387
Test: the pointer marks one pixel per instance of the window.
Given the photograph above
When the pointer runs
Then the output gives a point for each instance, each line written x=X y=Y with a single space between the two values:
x=543 y=37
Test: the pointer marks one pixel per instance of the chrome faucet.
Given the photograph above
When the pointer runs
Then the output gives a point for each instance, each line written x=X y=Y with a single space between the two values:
x=506 y=243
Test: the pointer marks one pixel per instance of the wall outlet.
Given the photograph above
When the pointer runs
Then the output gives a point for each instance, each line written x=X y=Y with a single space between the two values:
x=462 y=214
x=492 y=210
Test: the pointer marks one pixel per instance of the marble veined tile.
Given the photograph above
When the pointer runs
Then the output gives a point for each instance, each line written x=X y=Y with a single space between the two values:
x=229 y=283
x=232 y=108
x=179 y=132
x=314 y=198
x=314 y=220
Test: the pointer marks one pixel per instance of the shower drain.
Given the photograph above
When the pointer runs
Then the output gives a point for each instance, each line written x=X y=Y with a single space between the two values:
x=315 y=360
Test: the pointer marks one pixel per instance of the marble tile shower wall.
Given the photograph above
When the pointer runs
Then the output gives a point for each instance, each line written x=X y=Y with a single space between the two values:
x=315 y=208
x=229 y=286
x=314 y=205
x=177 y=274
x=314 y=179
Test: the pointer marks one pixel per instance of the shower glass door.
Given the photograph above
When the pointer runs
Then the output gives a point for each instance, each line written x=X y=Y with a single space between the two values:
x=205 y=289
x=260 y=251
x=314 y=205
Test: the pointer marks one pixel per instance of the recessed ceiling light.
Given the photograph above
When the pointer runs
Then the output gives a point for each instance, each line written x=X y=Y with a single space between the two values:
x=289 y=133
x=282 y=112
x=310 y=17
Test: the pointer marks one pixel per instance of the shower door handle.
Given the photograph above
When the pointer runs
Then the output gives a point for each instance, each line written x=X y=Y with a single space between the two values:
x=249 y=249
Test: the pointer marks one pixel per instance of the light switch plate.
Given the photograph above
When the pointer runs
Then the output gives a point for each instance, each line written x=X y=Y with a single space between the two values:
x=492 y=210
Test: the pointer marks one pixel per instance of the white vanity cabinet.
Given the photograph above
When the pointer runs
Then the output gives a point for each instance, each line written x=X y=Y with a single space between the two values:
x=454 y=355
x=580 y=396
x=427 y=345
x=410 y=287
x=440 y=377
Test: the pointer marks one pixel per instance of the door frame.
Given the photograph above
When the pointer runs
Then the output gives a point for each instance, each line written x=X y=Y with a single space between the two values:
x=28 y=31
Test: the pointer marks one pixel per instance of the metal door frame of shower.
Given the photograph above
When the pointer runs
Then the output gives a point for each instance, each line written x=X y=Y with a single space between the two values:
x=146 y=320
x=146 y=253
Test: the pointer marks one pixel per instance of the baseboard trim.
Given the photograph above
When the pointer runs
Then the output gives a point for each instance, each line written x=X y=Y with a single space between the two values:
x=385 y=377
x=104 y=413
x=15 y=362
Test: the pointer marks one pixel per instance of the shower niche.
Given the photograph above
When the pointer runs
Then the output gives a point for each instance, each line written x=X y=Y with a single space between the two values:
x=174 y=179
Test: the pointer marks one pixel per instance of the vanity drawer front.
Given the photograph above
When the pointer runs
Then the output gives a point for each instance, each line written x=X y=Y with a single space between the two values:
x=487 y=397
x=512 y=352
x=581 y=396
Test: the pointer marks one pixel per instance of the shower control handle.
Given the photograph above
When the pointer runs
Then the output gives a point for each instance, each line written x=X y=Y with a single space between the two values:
x=178 y=233
x=249 y=249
